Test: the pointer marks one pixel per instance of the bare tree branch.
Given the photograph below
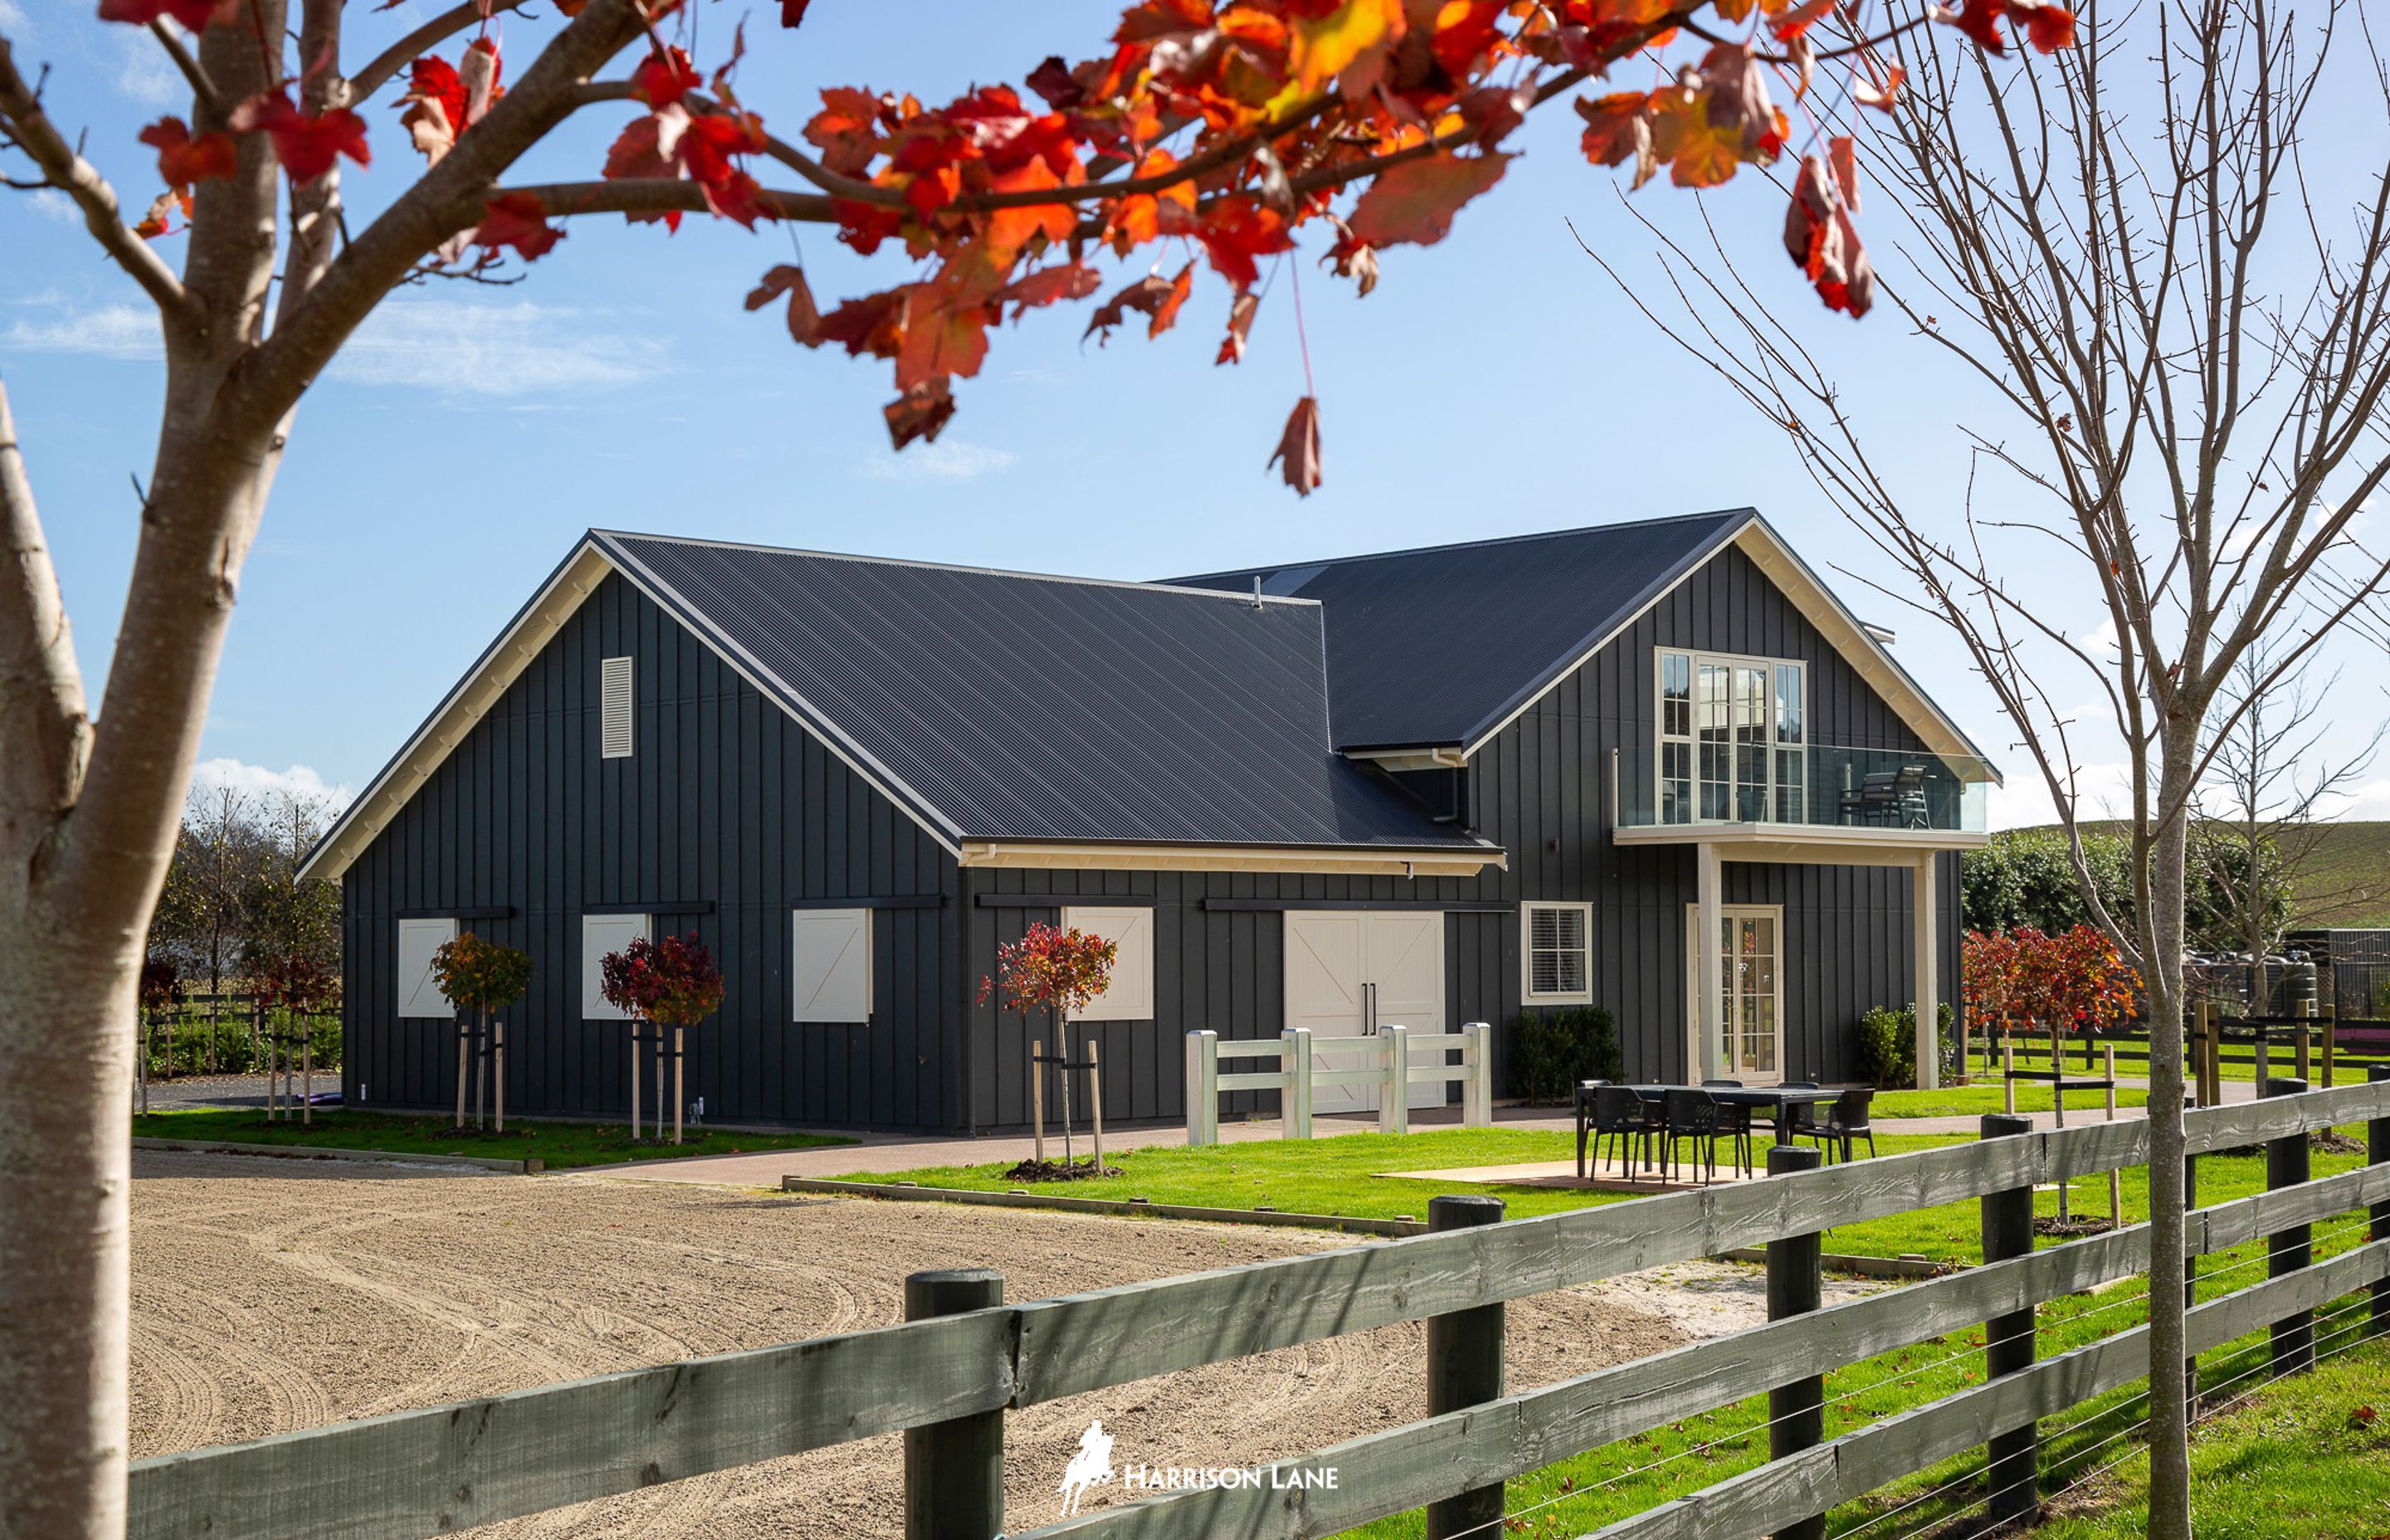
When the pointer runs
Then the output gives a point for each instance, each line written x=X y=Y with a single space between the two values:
x=30 y=130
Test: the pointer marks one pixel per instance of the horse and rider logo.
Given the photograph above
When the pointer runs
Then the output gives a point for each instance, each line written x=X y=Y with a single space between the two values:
x=1092 y=1466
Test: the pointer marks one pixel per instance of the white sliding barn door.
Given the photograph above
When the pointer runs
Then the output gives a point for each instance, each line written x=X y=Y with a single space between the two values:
x=1350 y=970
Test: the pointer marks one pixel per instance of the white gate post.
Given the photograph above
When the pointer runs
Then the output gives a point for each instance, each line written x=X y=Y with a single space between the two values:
x=1477 y=1090
x=1202 y=1088
x=1294 y=1102
x=1394 y=1098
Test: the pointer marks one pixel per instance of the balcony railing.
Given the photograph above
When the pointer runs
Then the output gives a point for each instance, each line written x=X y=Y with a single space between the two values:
x=1818 y=786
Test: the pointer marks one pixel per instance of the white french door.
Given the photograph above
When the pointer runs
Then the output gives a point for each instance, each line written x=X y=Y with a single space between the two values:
x=1751 y=949
x=1350 y=971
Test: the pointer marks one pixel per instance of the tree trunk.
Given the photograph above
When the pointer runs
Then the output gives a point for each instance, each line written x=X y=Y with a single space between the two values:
x=68 y=1000
x=2169 y=1407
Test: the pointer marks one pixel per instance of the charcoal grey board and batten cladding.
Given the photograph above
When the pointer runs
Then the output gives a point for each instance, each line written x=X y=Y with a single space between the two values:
x=725 y=799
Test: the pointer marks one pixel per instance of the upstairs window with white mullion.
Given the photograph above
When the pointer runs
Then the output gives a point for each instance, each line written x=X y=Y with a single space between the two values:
x=1731 y=740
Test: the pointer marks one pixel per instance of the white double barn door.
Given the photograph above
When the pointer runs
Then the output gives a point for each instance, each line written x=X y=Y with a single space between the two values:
x=1351 y=971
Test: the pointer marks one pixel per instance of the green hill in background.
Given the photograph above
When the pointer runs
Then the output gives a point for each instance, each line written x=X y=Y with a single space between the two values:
x=2346 y=884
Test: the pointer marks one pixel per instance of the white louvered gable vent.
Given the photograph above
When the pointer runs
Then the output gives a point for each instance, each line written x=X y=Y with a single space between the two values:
x=614 y=679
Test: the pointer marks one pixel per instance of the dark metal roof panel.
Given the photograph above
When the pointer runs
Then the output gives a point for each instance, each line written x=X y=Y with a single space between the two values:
x=1008 y=706
x=1438 y=645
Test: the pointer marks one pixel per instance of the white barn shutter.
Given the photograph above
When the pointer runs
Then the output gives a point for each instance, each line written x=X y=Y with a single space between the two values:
x=599 y=935
x=614 y=677
x=418 y=993
x=832 y=967
x=1130 y=996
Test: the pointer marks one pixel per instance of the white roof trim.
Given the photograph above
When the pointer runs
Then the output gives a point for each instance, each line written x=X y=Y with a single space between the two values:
x=1844 y=632
x=532 y=628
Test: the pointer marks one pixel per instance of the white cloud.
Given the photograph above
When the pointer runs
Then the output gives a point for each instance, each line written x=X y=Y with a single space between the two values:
x=2101 y=791
x=482 y=350
x=261 y=783
x=112 y=331
x=2100 y=640
x=457 y=349
x=952 y=461
x=13 y=18
x=49 y=202
x=2369 y=802
x=143 y=73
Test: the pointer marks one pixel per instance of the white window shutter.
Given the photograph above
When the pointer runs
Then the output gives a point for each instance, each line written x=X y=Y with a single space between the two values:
x=418 y=992
x=601 y=934
x=1130 y=995
x=832 y=958
x=615 y=678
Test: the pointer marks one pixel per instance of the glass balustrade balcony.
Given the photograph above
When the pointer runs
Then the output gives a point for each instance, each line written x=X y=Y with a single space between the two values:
x=1814 y=787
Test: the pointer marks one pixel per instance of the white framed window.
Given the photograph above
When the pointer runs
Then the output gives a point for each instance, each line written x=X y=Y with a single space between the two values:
x=831 y=965
x=614 y=708
x=1730 y=739
x=1129 y=997
x=601 y=934
x=1558 y=953
x=418 y=993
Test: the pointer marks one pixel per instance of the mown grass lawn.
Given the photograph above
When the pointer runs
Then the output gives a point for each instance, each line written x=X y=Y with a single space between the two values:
x=1341 y=1175
x=558 y=1144
x=1953 y=1101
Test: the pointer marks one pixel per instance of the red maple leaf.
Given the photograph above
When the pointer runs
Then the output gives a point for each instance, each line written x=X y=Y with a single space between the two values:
x=305 y=145
x=920 y=413
x=183 y=161
x=1416 y=201
x=2048 y=27
x=519 y=220
x=1235 y=231
x=664 y=78
x=1240 y=321
x=805 y=321
x=1980 y=20
x=1299 y=448
x=792 y=12
x=194 y=15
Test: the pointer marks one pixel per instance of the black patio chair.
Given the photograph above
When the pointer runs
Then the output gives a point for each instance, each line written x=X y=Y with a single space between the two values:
x=1848 y=1120
x=1908 y=797
x=1734 y=1120
x=1694 y=1115
x=1584 y=1090
x=1622 y=1116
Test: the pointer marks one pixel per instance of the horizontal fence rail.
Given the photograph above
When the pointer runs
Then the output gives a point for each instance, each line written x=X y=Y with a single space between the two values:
x=426 y=1472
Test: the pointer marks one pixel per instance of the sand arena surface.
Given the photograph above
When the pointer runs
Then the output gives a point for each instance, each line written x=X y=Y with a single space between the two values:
x=270 y=1295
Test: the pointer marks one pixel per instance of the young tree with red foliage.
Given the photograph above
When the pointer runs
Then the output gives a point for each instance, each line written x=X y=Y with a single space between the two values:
x=1224 y=132
x=672 y=982
x=1052 y=969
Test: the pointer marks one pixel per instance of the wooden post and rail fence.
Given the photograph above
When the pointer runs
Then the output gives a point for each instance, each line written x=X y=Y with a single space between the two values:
x=948 y=1376
x=1394 y=1059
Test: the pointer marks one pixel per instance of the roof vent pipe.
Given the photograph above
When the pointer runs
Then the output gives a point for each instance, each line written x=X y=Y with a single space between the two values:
x=1257 y=590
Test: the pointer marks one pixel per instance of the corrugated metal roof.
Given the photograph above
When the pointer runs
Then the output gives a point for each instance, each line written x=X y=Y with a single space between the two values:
x=1438 y=645
x=1009 y=706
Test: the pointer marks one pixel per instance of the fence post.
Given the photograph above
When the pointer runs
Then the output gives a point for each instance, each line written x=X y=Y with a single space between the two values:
x=2200 y=1057
x=1464 y=1367
x=1202 y=1086
x=1294 y=1102
x=2377 y=1153
x=1037 y=1101
x=2330 y=1042
x=1394 y=1097
x=1096 y=1101
x=1477 y=1091
x=1796 y=1413
x=953 y=1471
x=2190 y=1268
x=2291 y=1250
x=2008 y=1075
x=2013 y=1474
x=2306 y=1035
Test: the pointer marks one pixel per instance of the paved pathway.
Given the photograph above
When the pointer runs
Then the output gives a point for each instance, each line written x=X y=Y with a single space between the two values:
x=888 y=1152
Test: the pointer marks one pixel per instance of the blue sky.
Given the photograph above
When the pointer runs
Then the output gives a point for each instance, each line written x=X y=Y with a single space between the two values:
x=1494 y=384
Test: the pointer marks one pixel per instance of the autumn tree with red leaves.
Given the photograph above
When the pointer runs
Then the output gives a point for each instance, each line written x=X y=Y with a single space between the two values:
x=1224 y=132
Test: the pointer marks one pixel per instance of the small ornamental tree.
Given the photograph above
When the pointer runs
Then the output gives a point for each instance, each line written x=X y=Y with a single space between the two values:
x=161 y=986
x=479 y=976
x=292 y=987
x=672 y=982
x=1987 y=982
x=1054 y=970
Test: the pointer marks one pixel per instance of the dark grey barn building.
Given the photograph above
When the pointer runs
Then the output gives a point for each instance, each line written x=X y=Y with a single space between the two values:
x=1426 y=787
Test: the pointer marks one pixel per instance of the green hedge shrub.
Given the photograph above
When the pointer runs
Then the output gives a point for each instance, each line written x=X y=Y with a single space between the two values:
x=1551 y=1052
x=1883 y=1047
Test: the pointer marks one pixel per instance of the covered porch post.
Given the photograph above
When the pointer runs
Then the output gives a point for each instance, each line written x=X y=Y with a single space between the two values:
x=1929 y=974
x=1709 y=962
